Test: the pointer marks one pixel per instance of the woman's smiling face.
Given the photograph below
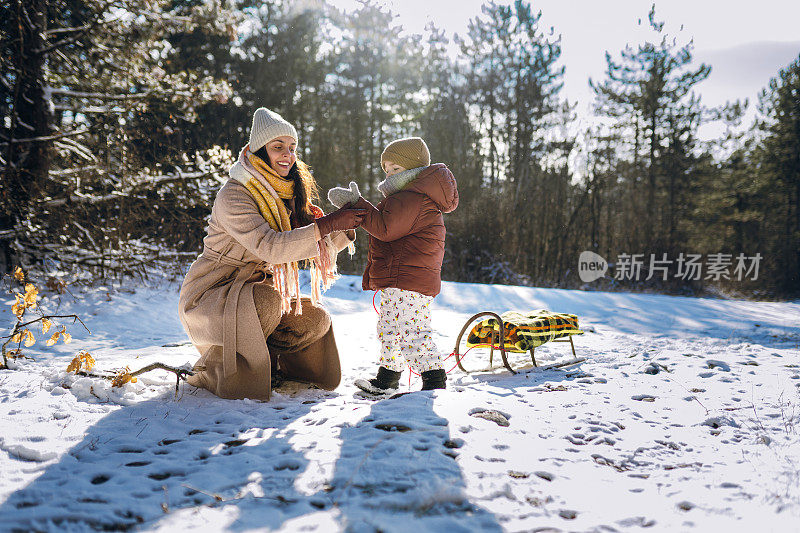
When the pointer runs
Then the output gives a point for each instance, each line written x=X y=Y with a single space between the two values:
x=282 y=154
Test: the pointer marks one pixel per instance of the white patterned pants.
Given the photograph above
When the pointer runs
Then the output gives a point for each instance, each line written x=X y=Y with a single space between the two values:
x=404 y=330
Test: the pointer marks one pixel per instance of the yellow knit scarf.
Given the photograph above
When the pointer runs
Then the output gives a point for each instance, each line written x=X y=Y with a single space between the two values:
x=284 y=187
x=265 y=186
x=268 y=190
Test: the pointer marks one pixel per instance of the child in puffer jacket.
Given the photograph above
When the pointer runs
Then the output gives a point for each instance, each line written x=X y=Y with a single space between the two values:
x=406 y=248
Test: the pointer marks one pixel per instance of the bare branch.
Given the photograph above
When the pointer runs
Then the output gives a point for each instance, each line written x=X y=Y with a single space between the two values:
x=99 y=96
x=88 y=109
x=154 y=366
x=43 y=138
x=71 y=171
x=57 y=31
x=155 y=181
x=79 y=31
x=39 y=319
x=180 y=373
x=77 y=149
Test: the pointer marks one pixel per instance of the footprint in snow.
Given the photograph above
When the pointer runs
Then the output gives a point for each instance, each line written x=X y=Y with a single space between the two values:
x=685 y=506
x=719 y=421
x=499 y=418
x=393 y=427
x=453 y=443
x=288 y=464
x=654 y=368
x=722 y=365
x=568 y=514
x=160 y=476
x=640 y=521
x=128 y=449
x=643 y=398
x=579 y=439
x=597 y=426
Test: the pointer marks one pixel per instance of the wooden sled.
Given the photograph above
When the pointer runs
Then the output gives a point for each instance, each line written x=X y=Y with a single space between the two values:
x=498 y=342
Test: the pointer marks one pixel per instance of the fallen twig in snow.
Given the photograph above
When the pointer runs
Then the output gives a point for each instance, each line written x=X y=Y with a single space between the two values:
x=180 y=374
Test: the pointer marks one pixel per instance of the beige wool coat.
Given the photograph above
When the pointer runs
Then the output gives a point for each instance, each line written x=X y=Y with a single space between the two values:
x=231 y=311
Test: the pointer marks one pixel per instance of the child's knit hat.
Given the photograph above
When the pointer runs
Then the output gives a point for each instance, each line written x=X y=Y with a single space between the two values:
x=411 y=152
x=268 y=125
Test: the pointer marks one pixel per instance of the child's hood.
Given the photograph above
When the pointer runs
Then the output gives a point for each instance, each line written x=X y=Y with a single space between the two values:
x=439 y=184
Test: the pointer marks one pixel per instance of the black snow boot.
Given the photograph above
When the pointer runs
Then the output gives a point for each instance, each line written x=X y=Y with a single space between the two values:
x=386 y=382
x=434 y=379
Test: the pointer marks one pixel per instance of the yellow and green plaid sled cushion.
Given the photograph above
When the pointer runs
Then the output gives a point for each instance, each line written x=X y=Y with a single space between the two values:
x=524 y=331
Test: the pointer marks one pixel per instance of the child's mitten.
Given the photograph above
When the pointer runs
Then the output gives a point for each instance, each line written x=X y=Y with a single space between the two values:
x=339 y=196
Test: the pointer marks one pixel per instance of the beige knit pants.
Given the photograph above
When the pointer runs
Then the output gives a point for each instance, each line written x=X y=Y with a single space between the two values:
x=404 y=331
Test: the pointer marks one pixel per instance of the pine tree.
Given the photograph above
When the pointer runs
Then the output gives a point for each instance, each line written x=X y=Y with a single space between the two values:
x=514 y=84
x=648 y=92
x=778 y=158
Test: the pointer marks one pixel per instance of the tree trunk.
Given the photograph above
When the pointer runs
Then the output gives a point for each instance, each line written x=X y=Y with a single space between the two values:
x=27 y=156
x=651 y=189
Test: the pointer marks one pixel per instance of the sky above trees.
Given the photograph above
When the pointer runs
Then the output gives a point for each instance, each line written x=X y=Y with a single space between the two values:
x=744 y=45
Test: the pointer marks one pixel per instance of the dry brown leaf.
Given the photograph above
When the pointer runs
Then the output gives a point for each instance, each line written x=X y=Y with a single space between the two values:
x=18 y=307
x=56 y=285
x=17 y=337
x=75 y=364
x=122 y=377
x=19 y=275
x=30 y=295
x=30 y=340
x=82 y=359
x=53 y=338
x=46 y=325
x=66 y=337
x=88 y=360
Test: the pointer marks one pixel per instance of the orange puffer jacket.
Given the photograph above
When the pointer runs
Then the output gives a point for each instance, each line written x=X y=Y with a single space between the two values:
x=406 y=245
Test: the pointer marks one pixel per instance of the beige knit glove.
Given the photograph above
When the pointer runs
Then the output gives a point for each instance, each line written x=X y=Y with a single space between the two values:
x=340 y=197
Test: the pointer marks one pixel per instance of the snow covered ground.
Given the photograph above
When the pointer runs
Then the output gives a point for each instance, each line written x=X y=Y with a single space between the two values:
x=684 y=417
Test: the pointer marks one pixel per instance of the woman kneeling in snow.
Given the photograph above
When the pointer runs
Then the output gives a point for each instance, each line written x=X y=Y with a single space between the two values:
x=240 y=302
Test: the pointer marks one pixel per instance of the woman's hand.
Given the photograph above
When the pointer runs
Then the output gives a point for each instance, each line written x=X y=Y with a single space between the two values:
x=340 y=220
x=340 y=197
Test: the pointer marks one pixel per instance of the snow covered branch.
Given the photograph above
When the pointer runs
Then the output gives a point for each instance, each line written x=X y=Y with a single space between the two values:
x=99 y=96
x=43 y=138
x=154 y=181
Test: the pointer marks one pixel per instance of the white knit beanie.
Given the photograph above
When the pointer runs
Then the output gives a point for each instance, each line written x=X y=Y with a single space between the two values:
x=268 y=125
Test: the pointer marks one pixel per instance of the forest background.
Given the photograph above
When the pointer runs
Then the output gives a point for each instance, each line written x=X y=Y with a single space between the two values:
x=119 y=118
